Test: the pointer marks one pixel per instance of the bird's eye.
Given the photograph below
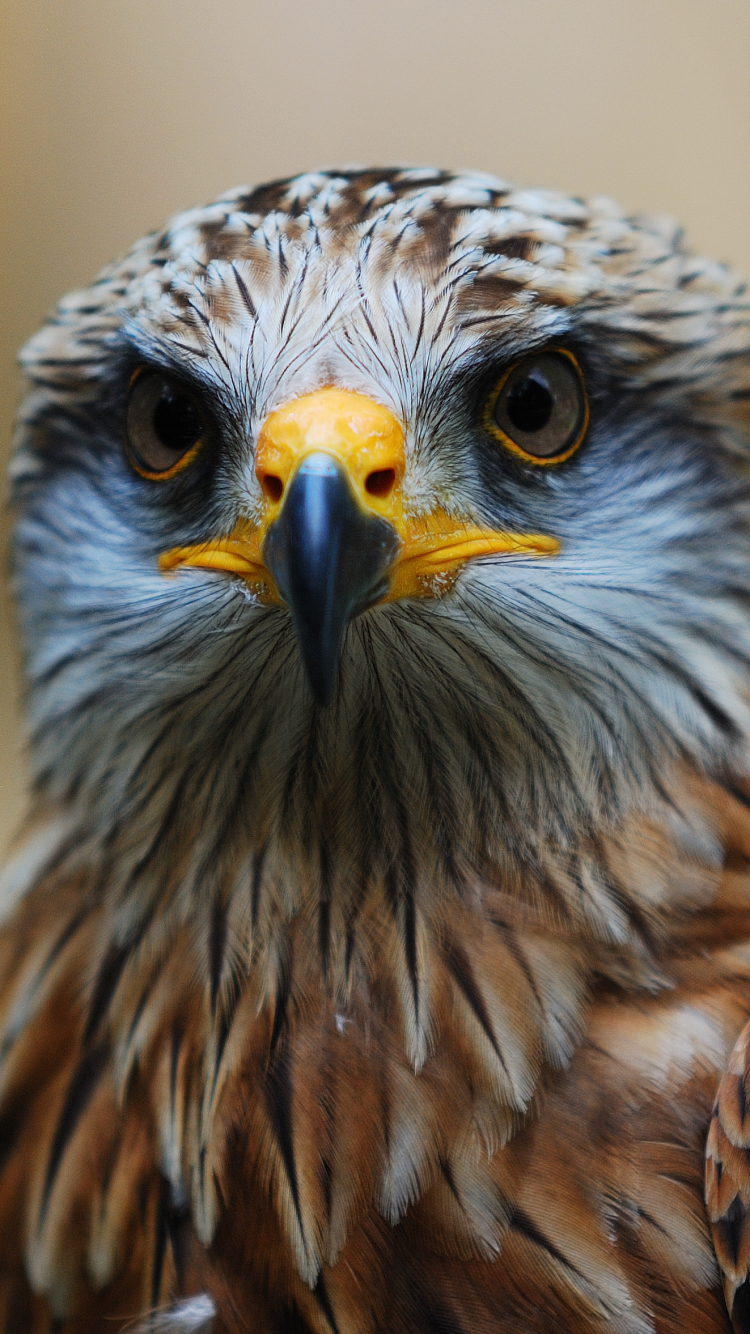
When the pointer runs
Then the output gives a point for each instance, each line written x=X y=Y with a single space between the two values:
x=164 y=426
x=539 y=410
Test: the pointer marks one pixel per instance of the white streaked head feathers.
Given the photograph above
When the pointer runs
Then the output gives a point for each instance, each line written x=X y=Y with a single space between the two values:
x=558 y=690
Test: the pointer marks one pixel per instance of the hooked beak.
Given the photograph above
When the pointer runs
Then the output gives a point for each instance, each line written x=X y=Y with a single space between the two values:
x=334 y=537
x=329 y=559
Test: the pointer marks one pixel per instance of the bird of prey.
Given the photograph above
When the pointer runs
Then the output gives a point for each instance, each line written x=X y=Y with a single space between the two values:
x=376 y=957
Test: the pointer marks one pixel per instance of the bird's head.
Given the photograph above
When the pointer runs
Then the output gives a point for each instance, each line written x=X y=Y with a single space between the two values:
x=386 y=523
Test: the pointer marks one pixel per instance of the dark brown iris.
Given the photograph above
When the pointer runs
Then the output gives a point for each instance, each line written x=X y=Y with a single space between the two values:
x=163 y=424
x=539 y=409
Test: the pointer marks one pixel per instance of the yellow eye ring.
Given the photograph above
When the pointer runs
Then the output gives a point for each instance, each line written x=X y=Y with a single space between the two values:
x=492 y=426
x=182 y=463
x=138 y=416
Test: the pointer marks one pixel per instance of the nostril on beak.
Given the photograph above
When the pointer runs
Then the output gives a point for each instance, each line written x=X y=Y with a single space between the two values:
x=272 y=485
x=381 y=483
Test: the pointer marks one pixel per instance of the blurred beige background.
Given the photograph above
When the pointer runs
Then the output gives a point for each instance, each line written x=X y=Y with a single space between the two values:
x=116 y=113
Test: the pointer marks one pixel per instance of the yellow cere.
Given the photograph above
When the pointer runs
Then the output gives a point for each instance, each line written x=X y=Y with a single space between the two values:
x=366 y=438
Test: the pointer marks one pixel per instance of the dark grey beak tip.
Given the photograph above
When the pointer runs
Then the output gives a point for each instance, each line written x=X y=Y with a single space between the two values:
x=330 y=560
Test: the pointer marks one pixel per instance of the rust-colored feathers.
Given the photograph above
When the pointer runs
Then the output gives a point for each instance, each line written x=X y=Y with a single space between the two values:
x=281 y=1155
x=393 y=999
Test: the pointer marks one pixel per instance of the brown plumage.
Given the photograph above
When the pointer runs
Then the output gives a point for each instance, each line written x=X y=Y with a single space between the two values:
x=728 y=1183
x=586 y=1213
x=414 y=1020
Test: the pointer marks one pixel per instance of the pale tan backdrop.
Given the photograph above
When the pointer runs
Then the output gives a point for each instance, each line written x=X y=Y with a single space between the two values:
x=115 y=113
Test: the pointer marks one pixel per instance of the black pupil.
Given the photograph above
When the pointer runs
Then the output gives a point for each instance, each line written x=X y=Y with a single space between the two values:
x=176 y=422
x=530 y=403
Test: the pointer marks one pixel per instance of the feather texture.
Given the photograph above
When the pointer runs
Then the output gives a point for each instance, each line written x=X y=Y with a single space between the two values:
x=286 y=1155
x=405 y=1014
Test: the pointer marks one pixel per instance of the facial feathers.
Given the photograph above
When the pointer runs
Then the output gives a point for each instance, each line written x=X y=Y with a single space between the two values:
x=400 y=1006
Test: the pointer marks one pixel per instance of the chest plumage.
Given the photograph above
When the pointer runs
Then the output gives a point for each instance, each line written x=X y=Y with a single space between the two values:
x=380 y=934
